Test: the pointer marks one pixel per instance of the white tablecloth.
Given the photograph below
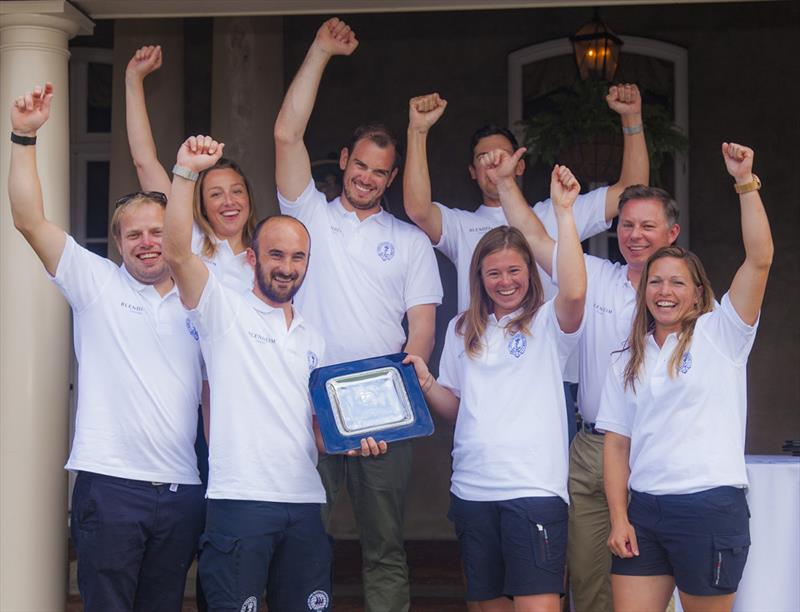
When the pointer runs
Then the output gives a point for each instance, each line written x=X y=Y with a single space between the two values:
x=771 y=580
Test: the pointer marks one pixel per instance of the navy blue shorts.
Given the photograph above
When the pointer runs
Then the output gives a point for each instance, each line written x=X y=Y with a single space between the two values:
x=701 y=539
x=512 y=547
x=135 y=541
x=250 y=546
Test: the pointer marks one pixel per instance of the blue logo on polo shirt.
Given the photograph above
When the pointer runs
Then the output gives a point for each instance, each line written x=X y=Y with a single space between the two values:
x=686 y=363
x=318 y=600
x=312 y=359
x=385 y=251
x=192 y=329
x=518 y=344
x=250 y=604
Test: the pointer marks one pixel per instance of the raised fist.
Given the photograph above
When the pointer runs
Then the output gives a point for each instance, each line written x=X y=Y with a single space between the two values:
x=424 y=111
x=564 y=187
x=30 y=111
x=501 y=164
x=624 y=99
x=738 y=161
x=198 y=153
x=335 y=37
x=146 y=60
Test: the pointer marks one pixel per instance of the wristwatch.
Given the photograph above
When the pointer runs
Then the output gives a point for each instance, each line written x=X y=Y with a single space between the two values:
x=753 y=185
x=189 y=175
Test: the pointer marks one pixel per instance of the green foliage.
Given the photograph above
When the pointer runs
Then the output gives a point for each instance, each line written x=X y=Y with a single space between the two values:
x=581 y=115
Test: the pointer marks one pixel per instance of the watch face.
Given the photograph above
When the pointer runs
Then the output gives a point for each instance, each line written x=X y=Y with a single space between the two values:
x=369 y=401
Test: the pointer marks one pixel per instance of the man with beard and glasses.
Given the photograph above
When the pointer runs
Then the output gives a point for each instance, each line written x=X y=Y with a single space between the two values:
x=137 y=505
x=263 y=524
x=370 y=270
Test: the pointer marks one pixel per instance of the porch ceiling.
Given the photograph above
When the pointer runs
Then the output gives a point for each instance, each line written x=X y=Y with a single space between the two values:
x=120 y=9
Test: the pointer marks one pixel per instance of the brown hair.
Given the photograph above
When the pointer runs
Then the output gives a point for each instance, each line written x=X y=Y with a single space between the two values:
x=380 y=135
x=645 y=192
x=472 y=322
x=643 y=322
x=209 y=248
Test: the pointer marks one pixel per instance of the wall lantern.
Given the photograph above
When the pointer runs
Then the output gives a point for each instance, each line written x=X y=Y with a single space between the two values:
x=596 y=50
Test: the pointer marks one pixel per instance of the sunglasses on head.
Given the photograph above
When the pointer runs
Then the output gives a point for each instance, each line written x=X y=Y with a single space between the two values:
x=151 y=195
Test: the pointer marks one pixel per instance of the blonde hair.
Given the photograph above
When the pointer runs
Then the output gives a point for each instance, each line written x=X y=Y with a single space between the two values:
x=209 y=246
x=133 y=199
x=644 y=323
x=472 y=322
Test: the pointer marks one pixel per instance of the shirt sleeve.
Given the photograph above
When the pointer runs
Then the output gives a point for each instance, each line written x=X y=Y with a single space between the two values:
x=616 y=411
x=81 y=275
x=217 y=310
x=725 y=329
x=565 y=342
x=453 y=351
x=304 y=206
x=422 y=284
x=589 y=212
x=448 y=243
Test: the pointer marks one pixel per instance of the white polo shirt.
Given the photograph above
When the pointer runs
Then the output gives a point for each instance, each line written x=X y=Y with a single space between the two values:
x=610 y=304
x=462 y=229
x=262 y=446
x=138 y=373
x=511 y=431
x=231 y=269
x=687 y=433
x=362 y=277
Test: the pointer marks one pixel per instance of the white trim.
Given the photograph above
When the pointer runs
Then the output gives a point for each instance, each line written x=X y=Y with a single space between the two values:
x=678 y=56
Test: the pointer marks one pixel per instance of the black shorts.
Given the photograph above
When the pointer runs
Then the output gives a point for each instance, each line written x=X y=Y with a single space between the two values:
x=701 y=539
x=511 y=547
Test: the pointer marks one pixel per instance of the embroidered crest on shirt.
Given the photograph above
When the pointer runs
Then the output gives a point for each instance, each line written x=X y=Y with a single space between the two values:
x=312 y=359
x=250 y=604
x=318 y=600
x=686 y=363
x=517 y=345
x=385 y=251
x=192 y=329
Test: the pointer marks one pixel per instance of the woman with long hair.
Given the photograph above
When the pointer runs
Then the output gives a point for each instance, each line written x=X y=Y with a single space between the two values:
x=224 y=211
x=500 y=381
x=674 y=409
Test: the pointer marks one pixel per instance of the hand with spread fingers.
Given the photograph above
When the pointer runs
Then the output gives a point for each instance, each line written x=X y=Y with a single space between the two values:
x=31 y=110
x=425 y=111
x=335 y=37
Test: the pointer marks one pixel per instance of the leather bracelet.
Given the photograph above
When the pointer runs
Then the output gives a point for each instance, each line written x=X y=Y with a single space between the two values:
x=25 y=141
x=634 y=129
x=189 y=175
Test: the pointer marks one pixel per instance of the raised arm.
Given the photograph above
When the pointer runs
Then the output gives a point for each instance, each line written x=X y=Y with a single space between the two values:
x=627 y=102
x=292 y=163
x=747 y=290
x=569 y=303
x=423 y=113
x=438 y=397
x=28 y=113
x=152 y=176
x=501 y=168
x=188 y=270
x=616 y=472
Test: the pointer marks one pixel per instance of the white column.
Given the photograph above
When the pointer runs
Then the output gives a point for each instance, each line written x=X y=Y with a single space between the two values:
x=34 y=324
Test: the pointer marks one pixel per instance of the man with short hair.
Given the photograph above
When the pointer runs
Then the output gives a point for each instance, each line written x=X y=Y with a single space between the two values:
x=648 y=220
x=137 y=505
x=369 y=271
x=263 y=526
